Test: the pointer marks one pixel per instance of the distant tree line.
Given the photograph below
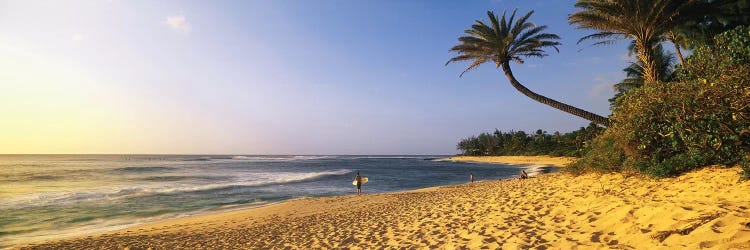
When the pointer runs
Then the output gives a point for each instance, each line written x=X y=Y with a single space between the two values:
x=522 y=143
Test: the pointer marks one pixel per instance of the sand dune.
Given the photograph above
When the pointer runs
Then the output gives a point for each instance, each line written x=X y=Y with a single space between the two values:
x=706 y=208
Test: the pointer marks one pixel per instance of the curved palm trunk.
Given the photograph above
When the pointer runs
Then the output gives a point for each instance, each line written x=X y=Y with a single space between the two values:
x=552 y=103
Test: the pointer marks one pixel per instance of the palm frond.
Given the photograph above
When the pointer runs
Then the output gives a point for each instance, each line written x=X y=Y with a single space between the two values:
x=502 y=39
x=474 y=64
x=645 y=21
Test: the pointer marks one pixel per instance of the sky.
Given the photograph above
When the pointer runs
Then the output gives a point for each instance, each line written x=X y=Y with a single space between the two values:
x=277 y=77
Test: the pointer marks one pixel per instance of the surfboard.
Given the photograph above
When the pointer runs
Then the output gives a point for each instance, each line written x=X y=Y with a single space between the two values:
x=364 y=180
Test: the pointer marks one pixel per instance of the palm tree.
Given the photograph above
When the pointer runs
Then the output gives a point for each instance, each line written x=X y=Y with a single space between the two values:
x=665 y=64
x=679 y=41
x=502 y=41
x=644 y=21
x=634 y=72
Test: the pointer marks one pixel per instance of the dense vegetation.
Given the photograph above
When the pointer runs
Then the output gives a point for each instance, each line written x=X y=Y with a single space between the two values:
x=522 y=143
x=701 y=119
x=667 y=118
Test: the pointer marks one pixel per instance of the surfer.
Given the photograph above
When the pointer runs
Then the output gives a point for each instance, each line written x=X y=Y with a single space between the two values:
x=358 y=179
x=471 y=177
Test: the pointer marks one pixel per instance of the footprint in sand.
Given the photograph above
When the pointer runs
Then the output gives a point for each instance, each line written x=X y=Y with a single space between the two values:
x=595 y=237
x=592 y=219
x=707 y=244
x=716 y=226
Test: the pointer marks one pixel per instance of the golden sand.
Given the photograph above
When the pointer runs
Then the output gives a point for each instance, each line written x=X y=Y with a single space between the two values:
x=516 y=160
x=706 y=208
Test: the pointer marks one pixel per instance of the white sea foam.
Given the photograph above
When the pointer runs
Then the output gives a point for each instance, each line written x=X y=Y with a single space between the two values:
x=254 y=181
x=390 y=157
x=282 y=158
x=312 y=157
x=251 y=180
x=102 y=226
x=534 y=170
x=256 y=158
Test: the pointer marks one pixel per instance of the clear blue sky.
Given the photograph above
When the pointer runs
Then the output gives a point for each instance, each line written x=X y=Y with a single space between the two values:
x=276 y=77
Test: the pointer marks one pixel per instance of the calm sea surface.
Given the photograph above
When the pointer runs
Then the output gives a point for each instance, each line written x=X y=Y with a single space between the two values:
x=52 y=196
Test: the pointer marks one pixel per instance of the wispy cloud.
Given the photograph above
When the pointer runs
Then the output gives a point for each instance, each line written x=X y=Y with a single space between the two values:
x=600 y=89
x=178 y=23
x=603 y=85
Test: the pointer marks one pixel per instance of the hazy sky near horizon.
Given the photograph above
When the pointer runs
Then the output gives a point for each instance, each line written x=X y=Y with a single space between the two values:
x=276 y=77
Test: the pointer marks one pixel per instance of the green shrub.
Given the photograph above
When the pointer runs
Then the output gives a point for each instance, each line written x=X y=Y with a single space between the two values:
x=672 y=166
x=603 y=156
x=661 y=126
x=710 y=63
x=665 y=129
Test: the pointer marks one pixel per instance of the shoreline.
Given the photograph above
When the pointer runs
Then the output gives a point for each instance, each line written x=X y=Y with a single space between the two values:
x=552 y=210
x=124 y=226
x=249 y=211
x=137 y=222
x=556 y=161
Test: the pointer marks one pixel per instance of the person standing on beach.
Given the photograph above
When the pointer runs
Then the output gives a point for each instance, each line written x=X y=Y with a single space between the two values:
x=358 y=179
x=471 y=177
x=522 y=177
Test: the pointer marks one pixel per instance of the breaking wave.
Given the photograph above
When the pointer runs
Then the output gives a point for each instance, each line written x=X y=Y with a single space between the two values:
x=60 y=198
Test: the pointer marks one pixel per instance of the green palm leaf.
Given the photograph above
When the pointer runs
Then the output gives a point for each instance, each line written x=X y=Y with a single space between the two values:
x=647 y=22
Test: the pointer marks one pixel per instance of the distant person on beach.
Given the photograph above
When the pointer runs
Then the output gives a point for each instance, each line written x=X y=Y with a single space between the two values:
x=522 y=177
x=471 y=177
x=358 y=179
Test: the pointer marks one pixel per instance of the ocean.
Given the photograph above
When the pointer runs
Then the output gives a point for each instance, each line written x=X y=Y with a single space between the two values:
x=46 y=197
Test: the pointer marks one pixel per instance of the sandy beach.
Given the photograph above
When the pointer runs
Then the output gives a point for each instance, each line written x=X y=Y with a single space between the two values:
x=702 y=209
